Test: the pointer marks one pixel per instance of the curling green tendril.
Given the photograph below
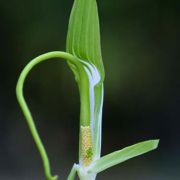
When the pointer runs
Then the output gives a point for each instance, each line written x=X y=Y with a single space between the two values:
x=20 y=96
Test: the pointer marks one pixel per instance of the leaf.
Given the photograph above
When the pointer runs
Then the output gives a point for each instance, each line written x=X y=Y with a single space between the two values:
x=83 y=39
x=120 y=156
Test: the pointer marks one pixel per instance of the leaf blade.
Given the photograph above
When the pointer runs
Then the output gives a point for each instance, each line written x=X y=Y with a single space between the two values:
x=120 y=156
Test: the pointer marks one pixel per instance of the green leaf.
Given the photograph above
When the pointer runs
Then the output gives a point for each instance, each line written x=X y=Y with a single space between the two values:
x=83 y=39
x=122 y=155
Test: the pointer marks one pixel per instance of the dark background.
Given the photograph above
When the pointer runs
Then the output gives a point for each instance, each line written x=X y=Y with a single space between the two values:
x=142 y=87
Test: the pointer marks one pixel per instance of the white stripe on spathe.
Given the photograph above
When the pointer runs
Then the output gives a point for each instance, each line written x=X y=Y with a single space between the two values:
x=94 y=78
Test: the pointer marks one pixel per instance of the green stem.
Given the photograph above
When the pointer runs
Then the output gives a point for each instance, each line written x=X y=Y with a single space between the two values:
x=73 y=172
x=26 y=111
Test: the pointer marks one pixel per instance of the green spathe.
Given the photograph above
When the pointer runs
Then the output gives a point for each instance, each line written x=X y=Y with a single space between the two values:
x=83 y=37
x=83 y=41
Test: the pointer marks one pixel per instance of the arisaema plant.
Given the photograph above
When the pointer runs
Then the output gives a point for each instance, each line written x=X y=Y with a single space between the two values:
x=83 y=56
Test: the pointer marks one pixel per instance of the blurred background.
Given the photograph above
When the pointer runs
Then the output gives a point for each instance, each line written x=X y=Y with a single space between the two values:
x=142 y=87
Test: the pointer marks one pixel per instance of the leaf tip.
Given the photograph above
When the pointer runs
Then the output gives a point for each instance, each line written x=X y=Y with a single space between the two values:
x=155 y=143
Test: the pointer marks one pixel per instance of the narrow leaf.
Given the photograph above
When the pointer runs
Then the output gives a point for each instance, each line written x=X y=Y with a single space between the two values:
x=120 y=156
